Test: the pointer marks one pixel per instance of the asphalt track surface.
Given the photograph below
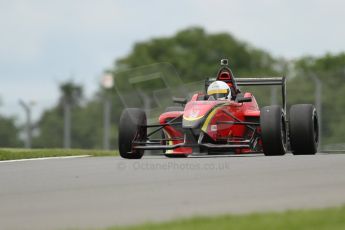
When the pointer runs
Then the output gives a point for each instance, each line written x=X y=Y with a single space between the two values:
x=100 y=192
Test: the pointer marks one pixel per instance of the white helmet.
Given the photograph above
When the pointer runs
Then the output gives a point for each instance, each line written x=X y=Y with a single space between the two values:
x=219 y=90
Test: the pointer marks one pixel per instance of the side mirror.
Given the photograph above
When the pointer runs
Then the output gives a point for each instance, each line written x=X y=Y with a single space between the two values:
x=244 y=99
x=181 y=101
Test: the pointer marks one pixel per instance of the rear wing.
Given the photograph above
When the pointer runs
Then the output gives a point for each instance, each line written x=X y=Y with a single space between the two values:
x=264 y=81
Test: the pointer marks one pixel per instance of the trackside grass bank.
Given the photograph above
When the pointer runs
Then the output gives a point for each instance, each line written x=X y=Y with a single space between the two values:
x=15 y=154
x=325 y=219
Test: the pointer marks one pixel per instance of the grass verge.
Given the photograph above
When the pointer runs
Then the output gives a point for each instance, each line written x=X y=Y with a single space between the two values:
x=14 y=154
x=322 y=219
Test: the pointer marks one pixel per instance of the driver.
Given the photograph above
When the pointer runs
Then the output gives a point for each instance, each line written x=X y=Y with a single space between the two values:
x=219 y=90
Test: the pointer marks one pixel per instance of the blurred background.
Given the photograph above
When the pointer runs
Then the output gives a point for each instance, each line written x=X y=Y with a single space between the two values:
x=61 y=62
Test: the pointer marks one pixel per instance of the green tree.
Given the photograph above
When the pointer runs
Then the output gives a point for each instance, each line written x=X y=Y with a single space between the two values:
x=9 y=132
x=196 y=54
x=86 y=121
x=330 y=69
x=49 y=129
x=51 y=125
x=71 y=93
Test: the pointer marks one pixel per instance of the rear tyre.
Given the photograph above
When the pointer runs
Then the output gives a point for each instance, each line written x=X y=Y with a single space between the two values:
x=132 y=127
x=304 y=129
x=171 y=109
x=273 y=130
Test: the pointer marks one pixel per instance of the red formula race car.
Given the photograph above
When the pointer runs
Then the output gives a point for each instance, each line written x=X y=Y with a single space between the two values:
x=222 y=120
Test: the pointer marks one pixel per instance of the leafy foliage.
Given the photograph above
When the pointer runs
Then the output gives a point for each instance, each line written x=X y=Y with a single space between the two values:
x=8 y=132
x=196 y=54
x=330 y=69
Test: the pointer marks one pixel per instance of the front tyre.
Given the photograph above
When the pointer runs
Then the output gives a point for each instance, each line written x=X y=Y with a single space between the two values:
x=273 y=130
x=132 y=127
x=304 y=129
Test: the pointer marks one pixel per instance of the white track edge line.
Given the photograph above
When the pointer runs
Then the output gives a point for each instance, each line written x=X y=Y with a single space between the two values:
x=44 y=158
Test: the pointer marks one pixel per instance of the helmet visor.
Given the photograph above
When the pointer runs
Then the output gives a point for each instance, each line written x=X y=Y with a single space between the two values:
x=219 y=93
